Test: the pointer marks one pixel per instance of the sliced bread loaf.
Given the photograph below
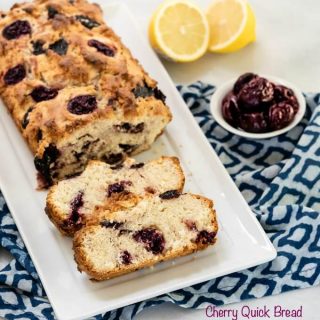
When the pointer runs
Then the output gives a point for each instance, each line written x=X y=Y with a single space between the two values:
x=155 y=229
x=72 y=202
x=73 y=88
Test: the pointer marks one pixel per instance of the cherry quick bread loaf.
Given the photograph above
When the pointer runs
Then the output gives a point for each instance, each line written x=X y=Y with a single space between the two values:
x=73 y=89
x=71 y=203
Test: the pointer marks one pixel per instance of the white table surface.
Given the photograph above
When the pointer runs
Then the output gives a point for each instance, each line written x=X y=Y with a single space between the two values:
x=288 y=46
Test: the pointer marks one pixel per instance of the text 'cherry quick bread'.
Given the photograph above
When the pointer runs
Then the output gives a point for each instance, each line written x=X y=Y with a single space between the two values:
x=73 y=89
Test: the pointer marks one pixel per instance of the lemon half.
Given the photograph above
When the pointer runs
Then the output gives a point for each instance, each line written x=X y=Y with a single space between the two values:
x=179 y=31
x=232 y=25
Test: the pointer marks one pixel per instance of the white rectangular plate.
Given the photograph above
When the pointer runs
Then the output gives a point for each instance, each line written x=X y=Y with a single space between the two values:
x=242 y=242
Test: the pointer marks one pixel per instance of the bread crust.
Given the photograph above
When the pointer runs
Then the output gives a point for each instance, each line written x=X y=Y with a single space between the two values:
x=85 y=265
x=73 y=68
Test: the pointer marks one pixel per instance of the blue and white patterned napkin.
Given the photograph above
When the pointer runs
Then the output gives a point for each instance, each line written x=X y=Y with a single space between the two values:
x=279 y=178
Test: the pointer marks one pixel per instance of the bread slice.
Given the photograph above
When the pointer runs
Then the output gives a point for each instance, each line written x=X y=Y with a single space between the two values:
x=156 y=229
x=72 y=202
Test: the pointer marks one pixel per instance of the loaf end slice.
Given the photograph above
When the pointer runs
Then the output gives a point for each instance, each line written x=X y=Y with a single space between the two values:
x=155 y=230
x=73 y=202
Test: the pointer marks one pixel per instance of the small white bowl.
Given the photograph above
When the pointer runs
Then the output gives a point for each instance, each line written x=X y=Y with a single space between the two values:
x=223 y=90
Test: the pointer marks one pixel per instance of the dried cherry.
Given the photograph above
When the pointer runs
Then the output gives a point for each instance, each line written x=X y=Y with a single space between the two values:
x=170 y=194
x=82 y=104
x=15 y=75
x=43 y=165
x=255 y=94
x=118 y=187
x=146 y=91
x=282 y=93
x=109 y=51
x=253 y=122
x=87 y=22
x=125 y=257
x=242 y=80
x=111 y=224
x=230 y=109
x=152 y=239
x=42 y=93
x=25 y=119
x=16 y=29
x=75 y=218
x=38 y=47
x=126 y=127
x=60 y=47
x=52 y=12
x=205 y=237
x=280 y=115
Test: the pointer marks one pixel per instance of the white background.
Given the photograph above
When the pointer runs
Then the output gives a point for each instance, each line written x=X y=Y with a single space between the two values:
x=288 y=46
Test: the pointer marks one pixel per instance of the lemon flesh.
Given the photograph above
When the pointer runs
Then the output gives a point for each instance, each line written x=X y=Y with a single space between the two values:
x=179 y=31
x=232 y=25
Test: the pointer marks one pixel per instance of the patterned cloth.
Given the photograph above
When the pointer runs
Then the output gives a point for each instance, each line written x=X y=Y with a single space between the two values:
x=280 y=179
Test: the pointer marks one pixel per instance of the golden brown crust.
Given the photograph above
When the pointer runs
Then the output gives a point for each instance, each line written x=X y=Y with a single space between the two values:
x=54 y=213
x=85 y=265
x=109 y=74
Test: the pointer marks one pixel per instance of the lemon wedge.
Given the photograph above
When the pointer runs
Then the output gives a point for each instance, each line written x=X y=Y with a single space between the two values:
x=232 y=25
x=179 y=31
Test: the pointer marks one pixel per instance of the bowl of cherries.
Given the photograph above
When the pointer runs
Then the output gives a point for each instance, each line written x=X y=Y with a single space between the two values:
x=258 y=107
